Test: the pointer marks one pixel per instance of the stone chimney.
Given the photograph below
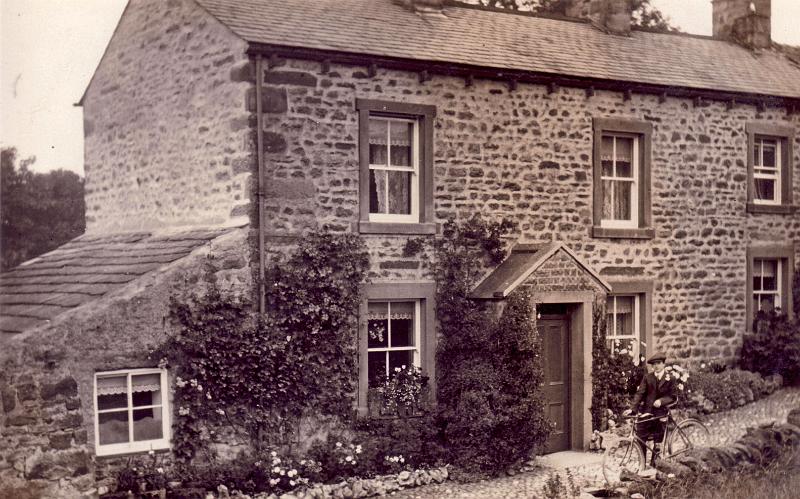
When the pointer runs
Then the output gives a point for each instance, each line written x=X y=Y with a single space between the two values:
x=613 y=16
x=746 y=22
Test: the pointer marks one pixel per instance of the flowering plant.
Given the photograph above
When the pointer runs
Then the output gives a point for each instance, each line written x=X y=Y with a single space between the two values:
x=286 y=474
x=394 y=464
x=679 y=374
x=142 y=474
x=401 y=392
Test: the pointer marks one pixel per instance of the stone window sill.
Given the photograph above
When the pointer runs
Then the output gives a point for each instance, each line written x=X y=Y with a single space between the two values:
x=396 y=228
x=781 y=209
x=609 y=233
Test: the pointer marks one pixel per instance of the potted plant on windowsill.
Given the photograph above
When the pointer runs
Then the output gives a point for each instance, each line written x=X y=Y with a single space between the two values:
x=402 y=394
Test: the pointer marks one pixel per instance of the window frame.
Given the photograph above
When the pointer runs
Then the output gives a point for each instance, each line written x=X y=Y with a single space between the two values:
x=643 y=291
x=417 y=344
x=640 y=227
x=784 y=254
x=132 y=447
x=633 y=223
x=421 y=220
x=424 y=294
x=784 y=137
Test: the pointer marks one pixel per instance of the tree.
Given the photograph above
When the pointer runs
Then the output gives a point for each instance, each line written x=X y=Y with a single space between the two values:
x=644 y=14
x=39 y=211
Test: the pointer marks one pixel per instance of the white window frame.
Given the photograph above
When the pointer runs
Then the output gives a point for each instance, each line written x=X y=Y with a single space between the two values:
x=132 y=446
x=758 y=271
x=635 y=166
x=414 y=169
x=636 y=335
x=758 y=162
x=416 y=348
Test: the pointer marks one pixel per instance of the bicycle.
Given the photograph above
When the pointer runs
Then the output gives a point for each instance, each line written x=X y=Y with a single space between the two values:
x=626 y=453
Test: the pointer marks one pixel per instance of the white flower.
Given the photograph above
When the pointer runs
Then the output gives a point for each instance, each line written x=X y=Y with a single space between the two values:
x=277 y=460
x=180 y=382
x=220 y=412
x=338 y=444
x=358 y=449
x=397 y=369
x=702 y=365
x=193 y=382
x=283 y=472
x=151 y=452
x=276 y=470
x=183 y=411
x=292 y=473
x=288 y=337
x=160 y=470
x=348 y=458
x=273 y=453
x=208 y=395
x=302 y=462
x=199 y=388
x=680 y=386
x=274 y=481
x=291 y=482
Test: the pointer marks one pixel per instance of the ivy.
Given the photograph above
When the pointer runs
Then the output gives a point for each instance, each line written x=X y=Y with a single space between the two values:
x=490 y=419
x=257 y=374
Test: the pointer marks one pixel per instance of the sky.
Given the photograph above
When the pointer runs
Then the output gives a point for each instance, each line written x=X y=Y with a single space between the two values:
x=49 y=50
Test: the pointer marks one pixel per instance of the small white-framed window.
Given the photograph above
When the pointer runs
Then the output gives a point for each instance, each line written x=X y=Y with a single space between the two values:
x=393 y=338
x=767 y=279
x=394 y=169
x=766 y=171
x=131 y=411
x=619 y=159
x=623 y=334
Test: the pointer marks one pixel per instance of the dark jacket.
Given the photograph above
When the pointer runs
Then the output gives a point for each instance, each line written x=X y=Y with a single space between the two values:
x=650 y=390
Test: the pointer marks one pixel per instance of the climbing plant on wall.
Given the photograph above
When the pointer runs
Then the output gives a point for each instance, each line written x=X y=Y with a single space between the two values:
x=258 y=374
x=490 y=419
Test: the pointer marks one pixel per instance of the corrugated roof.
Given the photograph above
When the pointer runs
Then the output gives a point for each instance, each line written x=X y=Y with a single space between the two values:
x=509 y=41
x=85 y=269
x=523 y=261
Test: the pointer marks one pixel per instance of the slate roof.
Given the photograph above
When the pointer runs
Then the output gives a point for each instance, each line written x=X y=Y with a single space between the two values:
x=85 y=269
x=506 y=40
x=523 y=261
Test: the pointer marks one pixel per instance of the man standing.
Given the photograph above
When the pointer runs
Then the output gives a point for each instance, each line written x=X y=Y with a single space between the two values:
x=655 y=393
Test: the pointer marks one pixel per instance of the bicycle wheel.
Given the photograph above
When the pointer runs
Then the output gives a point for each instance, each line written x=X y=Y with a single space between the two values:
x=688 y=434
x=624 y=455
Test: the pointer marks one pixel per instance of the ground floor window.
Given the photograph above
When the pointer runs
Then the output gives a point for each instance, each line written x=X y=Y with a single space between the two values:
x=766 y=284
x=131 y=411
x=623 y=332
x=393 y=331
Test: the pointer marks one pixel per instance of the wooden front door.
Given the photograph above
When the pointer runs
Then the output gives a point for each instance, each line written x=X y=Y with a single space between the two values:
x=554 y=331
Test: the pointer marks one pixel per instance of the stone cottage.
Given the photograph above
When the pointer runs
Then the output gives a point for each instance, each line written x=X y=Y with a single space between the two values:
x=646 y=171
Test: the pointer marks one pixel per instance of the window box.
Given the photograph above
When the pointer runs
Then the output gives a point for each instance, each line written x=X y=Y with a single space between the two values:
x=622 y=151
x=396 y=167
x=131 y=411
x=769 y=168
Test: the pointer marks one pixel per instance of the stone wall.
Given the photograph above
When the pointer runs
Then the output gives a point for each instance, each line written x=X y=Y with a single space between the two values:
x=167 y=134
x=526 y=155
x=46 y=376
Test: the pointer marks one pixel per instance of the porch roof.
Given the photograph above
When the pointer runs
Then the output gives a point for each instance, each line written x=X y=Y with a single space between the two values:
x=524 y=260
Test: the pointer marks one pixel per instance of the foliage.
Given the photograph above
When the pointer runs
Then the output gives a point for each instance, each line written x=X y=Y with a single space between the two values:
x=774 y=346
x=557 y=488
x=260 y=374
x=645 y=15
x=39 y=211
x=401 y=393
x=269 y=472
x=408 y=443
x=483 y=405
x=711 y=391
x=142 y=474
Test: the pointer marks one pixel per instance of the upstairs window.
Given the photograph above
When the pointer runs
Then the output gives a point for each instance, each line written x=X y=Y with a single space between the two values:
x=131 y=411
x=766 y=171
x=769 y=168
x=619 y=156
x=622 y=179
x=393 y=170
x=396 y=167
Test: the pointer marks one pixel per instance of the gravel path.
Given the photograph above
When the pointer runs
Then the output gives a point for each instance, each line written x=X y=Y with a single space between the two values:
x=725 y=428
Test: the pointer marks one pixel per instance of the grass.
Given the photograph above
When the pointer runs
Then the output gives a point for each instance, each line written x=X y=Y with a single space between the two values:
x=779 y=479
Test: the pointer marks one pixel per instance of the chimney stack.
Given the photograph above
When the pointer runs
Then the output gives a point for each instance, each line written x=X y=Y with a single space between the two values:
x=746 y=22
x=614 y=16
